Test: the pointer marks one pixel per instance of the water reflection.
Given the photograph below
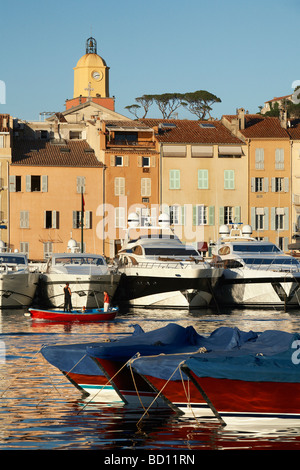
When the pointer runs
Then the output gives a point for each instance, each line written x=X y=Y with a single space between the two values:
x=40 y=409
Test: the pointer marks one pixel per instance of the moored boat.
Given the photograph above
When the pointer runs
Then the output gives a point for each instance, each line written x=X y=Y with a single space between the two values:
x=170 y=340
x=90 y=315
x=81 y=370
x=18 y=283
x=257 y=380
x=159 y=271
x=88 y=276
x=256 y=273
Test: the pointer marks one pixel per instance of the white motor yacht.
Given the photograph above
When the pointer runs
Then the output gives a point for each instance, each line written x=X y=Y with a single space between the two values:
x=159 y=271
x=88 y=276
x=17 y=283
x=256 y=273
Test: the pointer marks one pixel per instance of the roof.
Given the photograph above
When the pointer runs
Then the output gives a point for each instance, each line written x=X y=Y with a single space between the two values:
x=71 y=153
x=187 y=131
x=260 y=126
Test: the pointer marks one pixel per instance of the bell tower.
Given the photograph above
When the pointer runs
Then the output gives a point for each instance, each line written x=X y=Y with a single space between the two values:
x=91 y=74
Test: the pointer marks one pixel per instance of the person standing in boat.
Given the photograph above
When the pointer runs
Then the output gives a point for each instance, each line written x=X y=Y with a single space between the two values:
x=106 y=301
x=68 y=301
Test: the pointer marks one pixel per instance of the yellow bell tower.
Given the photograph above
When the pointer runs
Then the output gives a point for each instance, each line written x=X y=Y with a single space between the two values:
x=91 y=74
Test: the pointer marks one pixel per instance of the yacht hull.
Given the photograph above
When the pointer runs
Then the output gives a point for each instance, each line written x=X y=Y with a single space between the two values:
x=262 y=289
x=87 y=290
x=17 y=289
x=163 y=290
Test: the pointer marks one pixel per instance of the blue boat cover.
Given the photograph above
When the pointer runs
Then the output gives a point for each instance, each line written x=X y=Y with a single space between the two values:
x=273 y=357
x=170 y=339
x=73 y=357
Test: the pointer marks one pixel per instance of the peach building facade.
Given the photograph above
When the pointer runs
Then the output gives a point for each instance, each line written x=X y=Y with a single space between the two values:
x=203 y=178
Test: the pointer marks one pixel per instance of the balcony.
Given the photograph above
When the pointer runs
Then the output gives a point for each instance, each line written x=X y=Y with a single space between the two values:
x=119 y=143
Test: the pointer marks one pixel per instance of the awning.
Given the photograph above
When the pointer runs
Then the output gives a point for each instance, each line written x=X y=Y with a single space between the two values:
x=231 y=150
x=174 y=150
x=202 y=151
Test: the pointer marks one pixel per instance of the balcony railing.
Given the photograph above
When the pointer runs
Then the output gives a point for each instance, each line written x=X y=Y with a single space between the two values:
x=128 y=143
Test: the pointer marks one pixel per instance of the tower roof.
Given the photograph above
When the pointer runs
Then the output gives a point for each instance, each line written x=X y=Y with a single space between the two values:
x=91 y=58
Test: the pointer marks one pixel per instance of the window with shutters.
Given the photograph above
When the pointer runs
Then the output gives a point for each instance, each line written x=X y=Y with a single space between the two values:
x=259 y=159
x=120 y=221
x=202 y=179
x=24 y=248
x=80 y=184
x=228 y=215
x=24 y=219
x=279 y=185
x=120 y=186
x=258 y=185
x=36 y=183
x=279 y=159
x=174 y=179
x=14 y=183
x=228 y=179
x=146 y=187
x=87 y=219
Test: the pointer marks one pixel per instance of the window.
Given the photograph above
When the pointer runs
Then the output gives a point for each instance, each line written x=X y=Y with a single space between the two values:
x=174 y=179
x=279 y=159
x=51 y=219
x=279 y=185
x=36 y=183
x=120 y=186
x=24 y=248
x=120 y=221
x=202 y=215
x=118 y=160
x=80 y=184
x=24 y=219
x=228 y=179
x=202 y=179
x=87 y=219
x=145 y=187
x=259 y=221
x=259 y=159
x=279 y=221
x=228 y=215
x=48 y=249
x=258 y=185
x=14 y=183
x=174 y=212
x=145 y=162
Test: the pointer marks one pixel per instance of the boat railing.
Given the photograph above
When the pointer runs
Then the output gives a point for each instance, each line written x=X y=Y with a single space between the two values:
x=161 y=265
x=265 y=265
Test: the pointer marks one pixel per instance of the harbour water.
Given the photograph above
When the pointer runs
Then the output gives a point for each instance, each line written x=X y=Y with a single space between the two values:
x=41 y=410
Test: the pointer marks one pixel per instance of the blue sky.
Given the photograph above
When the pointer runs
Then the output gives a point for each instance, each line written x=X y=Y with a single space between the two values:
x=243 y=52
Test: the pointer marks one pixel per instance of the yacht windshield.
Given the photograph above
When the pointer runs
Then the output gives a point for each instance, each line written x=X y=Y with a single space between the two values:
x=79 y=260
x=255 y=248
x=272 y=261
x=171 y=252
x=12 y=260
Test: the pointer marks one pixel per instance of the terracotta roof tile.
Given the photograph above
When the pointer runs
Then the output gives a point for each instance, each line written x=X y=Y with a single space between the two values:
x=258 y=126
x=74 y=153
x=187 y=131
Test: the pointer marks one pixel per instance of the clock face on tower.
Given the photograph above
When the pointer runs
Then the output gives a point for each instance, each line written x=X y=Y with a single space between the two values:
x=97 y=75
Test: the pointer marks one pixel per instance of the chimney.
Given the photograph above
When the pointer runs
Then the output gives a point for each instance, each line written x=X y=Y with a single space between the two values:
x=241 y=118
x=283 y=118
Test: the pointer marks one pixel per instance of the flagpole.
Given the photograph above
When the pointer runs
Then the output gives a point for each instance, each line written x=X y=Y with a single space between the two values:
x=82 y=209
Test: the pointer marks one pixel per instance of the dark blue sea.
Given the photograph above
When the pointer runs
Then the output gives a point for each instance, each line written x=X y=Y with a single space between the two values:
x=41 y=410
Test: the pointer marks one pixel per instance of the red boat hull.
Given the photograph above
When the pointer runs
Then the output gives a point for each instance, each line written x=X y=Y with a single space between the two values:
x=72 y=316
x=234 y=396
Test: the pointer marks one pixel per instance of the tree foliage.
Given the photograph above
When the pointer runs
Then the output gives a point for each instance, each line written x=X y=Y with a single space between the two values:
x=198 y=102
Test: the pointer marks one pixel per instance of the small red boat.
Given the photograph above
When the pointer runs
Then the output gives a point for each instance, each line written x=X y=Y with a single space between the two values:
x=89 y=315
